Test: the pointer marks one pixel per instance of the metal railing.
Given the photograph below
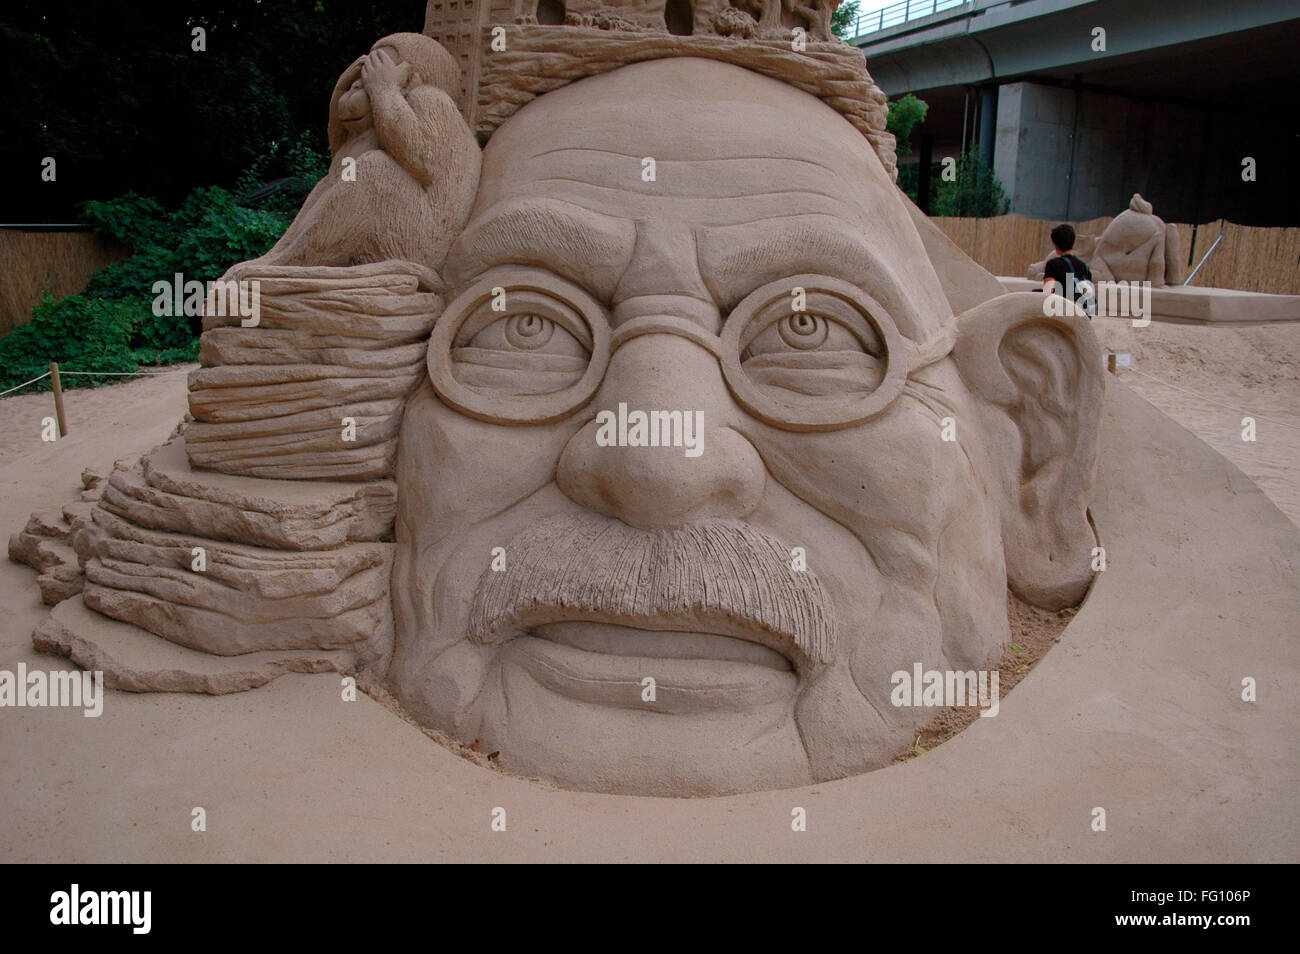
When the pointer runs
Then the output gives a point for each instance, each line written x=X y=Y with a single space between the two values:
x=897 y=14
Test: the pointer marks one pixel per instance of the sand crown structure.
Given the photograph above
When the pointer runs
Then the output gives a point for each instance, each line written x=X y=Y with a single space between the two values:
x=399 y=471
x=511 y=51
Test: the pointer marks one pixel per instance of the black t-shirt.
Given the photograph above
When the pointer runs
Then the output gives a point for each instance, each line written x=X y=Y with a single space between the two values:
x=1057 y=269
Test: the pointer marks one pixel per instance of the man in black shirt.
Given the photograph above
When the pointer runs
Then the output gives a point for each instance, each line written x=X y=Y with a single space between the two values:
x=1064 y=274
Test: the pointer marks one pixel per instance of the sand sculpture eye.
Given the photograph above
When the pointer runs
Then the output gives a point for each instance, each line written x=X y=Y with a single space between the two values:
x=527 y=332
x=519 y=346
x=812 y=353
x=803 y=330
x=824 y=322
x=810 y=331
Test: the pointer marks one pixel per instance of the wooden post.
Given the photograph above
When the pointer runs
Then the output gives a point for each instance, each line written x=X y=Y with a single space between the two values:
x=1112 y=363
x=58 y=399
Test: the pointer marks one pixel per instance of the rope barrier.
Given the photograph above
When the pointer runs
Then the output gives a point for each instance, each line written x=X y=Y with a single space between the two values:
x=119 y=373
x=25 y=383
x=110 y=374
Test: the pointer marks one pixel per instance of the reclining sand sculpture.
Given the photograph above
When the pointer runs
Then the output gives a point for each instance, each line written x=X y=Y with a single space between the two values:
x=1137 y=246
x=404 y=470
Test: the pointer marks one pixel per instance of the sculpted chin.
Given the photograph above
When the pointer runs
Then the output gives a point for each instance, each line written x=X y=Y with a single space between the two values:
x=770 y=280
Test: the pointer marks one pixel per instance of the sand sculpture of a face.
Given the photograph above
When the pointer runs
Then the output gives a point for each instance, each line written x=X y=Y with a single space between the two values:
x=766 y=293
x=692 y=451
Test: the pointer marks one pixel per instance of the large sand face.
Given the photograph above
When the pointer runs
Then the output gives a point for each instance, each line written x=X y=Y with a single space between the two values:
x=1137 y=710
x=754 y=182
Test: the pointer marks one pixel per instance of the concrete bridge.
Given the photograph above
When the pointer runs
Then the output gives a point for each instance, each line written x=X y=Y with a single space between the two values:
x=1080 y=103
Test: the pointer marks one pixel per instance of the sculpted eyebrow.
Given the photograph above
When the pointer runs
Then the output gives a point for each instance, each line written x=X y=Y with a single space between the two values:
x=736 y=259
x=590 y=248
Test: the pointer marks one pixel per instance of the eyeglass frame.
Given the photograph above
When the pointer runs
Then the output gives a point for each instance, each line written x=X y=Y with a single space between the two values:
x=603 y=341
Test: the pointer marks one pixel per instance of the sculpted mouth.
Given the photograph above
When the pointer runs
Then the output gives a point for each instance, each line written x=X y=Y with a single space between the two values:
x=694 y=667
x=618 y=640
x=609 y=664
x=715 y=591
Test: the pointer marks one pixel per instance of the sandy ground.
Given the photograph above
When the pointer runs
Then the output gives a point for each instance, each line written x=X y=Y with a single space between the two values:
x=1207 y=378
x=1136 y=710
x=120 y=413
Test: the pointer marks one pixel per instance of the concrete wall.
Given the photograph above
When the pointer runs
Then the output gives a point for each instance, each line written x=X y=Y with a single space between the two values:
x=1184 y=158
x=1034 y=128
x=1061 y=154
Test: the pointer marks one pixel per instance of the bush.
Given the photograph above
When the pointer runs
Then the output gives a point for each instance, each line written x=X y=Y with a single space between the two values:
x=909 y=175
x=975 y=192
x=85 y=334
x=111 y=326
x=287 y=171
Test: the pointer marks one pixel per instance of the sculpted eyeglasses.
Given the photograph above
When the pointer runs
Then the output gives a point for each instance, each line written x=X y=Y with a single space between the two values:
x=521 y=346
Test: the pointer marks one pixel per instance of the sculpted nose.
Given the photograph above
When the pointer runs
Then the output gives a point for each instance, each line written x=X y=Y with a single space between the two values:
x=662 y=486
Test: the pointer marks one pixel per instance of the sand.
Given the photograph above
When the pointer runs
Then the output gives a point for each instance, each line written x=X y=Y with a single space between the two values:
x=1208 y=377
x=116 y=413
x=1137 y=708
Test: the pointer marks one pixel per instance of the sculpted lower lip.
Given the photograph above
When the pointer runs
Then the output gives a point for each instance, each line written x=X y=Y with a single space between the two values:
x=683 y=685
x=616 y=640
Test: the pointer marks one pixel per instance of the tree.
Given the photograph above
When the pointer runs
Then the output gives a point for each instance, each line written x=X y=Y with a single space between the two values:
x=843 y=19
x=905 y=114
x=123 y=101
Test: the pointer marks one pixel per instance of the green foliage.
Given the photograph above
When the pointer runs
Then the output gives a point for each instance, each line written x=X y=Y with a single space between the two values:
x=127 y=106
x=215 y=232
x=905 y=114
x=133 y=219
x=111 y=326
x=975 y=192
x=842 y=19
x=83 y=334
x=291 y=168
x=209 y=233
x=908 y=174
x=119 y=96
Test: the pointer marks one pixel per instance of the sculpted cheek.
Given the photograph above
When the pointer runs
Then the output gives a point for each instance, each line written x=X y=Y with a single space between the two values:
x=914 y=504
x=457 y=466
x=891 y=481
x=452 y=482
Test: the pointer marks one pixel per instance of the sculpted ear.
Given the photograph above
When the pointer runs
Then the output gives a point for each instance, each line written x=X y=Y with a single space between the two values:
x=1038 y=382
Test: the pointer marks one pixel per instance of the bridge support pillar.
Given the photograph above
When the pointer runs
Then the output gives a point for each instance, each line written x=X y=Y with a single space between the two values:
x=988 y=127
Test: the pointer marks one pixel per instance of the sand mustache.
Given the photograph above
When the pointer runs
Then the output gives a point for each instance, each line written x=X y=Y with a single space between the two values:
x=586 y=567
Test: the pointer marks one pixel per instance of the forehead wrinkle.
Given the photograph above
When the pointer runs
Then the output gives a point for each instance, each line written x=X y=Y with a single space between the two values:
x=724 y=176
x=700 y=210
x=659 y=157
x=587 y=246
x=709 y=190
